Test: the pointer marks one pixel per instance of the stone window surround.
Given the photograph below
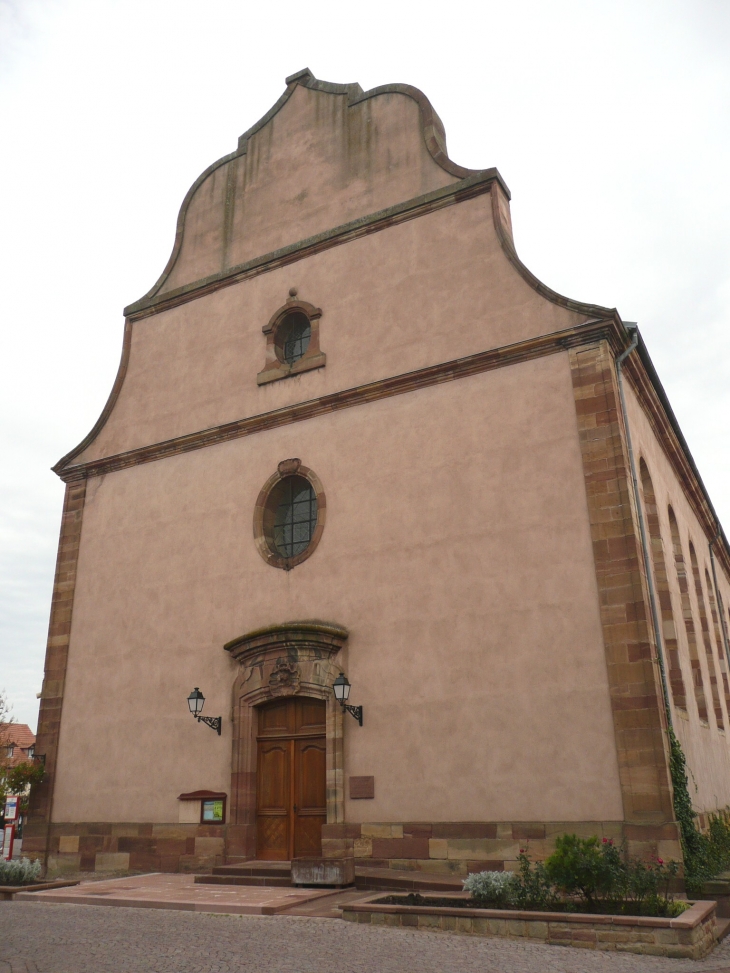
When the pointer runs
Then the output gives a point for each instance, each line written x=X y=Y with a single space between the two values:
x=263 y=530
x=274 y=368
x=291 y=659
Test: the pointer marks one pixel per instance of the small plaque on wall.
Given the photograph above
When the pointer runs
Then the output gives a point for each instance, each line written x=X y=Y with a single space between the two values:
x=362 y=788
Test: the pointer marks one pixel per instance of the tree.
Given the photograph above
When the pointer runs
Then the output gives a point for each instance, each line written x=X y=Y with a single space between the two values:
x=6 y=721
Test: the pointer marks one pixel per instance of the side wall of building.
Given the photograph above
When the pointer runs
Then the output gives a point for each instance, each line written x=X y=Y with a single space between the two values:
x=690 y=616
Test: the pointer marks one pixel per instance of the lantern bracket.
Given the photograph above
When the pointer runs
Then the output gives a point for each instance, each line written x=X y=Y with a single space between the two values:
x=214 y=722
x=355 y=711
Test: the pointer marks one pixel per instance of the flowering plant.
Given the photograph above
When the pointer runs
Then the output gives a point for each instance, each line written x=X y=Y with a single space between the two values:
x=582 y=875
x=602 y=877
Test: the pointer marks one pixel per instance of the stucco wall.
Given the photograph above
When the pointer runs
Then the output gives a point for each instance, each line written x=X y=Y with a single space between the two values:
x=706 y=747
x=457 y=553
x=434 y=289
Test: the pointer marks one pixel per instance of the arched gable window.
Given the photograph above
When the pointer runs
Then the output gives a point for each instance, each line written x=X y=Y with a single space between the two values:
x=292 y=341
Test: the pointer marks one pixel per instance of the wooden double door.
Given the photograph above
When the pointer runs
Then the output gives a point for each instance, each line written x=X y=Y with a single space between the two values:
x=291 y=795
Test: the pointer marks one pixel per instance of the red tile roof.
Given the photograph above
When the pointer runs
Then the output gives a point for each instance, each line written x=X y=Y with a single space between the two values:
x=20 y=737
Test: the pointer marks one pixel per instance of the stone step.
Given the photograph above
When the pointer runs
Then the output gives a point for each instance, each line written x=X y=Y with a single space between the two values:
x=722 y=928
x=279 y=874
x=254 y=868
x=268 y=881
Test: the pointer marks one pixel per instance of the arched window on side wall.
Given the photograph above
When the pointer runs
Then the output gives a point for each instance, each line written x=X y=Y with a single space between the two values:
x=689 y=622
x=722 y=664
x=706 y=636
x=661 y=581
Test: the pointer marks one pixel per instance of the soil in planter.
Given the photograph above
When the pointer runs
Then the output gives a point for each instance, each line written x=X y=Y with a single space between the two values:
x=663 y=909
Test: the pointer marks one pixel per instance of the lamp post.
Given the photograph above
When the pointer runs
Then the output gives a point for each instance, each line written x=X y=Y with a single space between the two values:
x=196 y=702
x=341 y=688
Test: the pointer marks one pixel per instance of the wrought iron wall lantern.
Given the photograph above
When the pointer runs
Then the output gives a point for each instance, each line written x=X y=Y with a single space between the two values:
x=196 y=702
x=341 y=688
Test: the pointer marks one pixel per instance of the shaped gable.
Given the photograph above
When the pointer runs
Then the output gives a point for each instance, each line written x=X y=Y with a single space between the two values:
x=323 y=156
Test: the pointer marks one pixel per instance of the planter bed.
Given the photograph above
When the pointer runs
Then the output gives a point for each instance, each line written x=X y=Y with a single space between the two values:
x=689 y=936
x=8 y=891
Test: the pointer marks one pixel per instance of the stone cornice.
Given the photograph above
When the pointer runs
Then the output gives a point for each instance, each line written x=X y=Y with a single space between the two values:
x=610 y=329
x=322 y=637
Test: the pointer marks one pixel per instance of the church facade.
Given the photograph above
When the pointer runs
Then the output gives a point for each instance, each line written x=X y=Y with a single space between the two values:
x=351 y=433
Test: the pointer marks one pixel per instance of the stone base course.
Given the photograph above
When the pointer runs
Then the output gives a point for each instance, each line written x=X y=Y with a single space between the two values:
x=690 y=936
x=108 y=849
x=461 y=847
x=454 y=848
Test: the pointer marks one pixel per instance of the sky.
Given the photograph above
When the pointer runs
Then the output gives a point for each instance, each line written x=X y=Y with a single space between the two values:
x=609 y=121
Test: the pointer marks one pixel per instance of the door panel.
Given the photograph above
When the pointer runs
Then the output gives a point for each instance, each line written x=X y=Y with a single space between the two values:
x=291 y=779
x=311 y=715
x=311 y=796
x=273 y=795
x=276 y=717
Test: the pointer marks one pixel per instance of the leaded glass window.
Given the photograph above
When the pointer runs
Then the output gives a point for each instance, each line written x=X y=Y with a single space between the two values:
x=293 y=337
x=296 y=516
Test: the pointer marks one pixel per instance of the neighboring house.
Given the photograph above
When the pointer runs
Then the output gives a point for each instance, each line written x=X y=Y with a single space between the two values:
x=352 y=432
x=18 y=741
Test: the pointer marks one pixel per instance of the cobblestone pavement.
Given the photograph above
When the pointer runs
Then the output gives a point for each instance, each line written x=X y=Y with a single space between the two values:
x=40 y=938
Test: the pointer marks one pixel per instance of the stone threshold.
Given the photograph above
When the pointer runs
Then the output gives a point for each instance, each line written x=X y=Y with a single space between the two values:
x=693 y=935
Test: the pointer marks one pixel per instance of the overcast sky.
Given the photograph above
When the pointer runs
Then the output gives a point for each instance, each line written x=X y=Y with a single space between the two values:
x=607 y=119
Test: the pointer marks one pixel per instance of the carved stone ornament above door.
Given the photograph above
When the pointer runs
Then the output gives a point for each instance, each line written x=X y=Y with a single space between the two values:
x=279 y=655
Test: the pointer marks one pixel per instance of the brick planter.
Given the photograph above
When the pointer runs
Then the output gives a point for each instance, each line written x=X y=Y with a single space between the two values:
x=689 y=936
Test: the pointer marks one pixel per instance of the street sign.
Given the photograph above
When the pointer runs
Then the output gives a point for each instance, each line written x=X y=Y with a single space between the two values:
x=8 y=838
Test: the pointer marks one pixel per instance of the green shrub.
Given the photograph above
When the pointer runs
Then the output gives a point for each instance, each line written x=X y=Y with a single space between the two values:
x=19 y=871
x=582 y=875
x=600 y=877
x=535 y=890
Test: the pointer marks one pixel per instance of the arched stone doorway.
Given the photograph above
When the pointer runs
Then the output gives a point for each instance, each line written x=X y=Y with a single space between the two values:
x=292 y=661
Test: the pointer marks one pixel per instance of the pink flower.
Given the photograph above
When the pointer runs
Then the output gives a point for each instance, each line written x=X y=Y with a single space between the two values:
x=605 y=840
x=660 y=861
x=523 y=850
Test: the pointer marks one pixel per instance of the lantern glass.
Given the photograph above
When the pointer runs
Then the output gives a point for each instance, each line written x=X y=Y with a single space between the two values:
x=196 y=701
x=341 y=687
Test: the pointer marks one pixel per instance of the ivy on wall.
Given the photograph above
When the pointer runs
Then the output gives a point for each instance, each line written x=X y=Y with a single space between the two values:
x=705 y=855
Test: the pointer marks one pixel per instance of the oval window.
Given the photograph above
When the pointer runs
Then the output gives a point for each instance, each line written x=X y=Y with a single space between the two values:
x=293 y=336
x=289 y=515
x=294 y=505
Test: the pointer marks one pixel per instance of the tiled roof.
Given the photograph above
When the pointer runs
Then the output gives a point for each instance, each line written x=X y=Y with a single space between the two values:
x=19 y=734
x=21 y=737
